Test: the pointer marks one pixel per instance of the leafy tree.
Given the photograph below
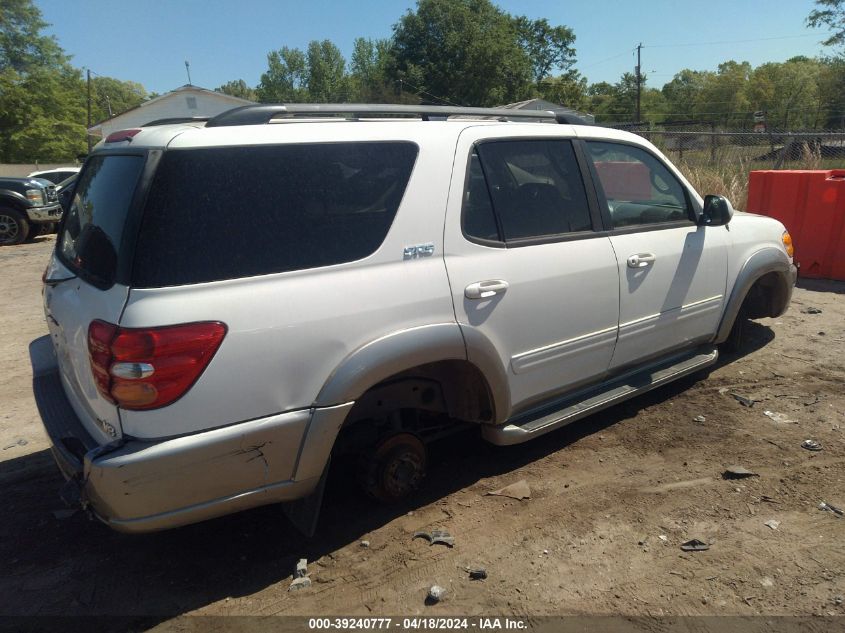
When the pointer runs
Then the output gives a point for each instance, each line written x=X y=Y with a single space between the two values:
x=238 y=88
x=286 y=79
x=369 y=78
x=461 y=51
x=788 y=92
x=548 y=47
x=327 y=81
x=724 y=97
x=42 y=102
x=830 y=15
x=22 y=46
x=569 y=90
x=110 y=97
x=683 y=93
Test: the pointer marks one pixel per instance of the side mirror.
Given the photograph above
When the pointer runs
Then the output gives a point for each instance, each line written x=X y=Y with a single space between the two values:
x=717 y=211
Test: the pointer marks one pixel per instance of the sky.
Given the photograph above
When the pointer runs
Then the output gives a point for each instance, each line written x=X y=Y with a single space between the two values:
x=148 y=41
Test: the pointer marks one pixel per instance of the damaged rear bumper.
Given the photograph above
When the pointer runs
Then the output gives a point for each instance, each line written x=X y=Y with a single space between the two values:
x=144 y=485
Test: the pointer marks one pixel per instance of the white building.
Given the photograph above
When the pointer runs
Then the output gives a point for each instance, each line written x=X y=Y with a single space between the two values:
x=187 y=101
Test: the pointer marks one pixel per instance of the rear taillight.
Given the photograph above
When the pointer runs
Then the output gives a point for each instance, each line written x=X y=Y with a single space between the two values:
x=148 y=368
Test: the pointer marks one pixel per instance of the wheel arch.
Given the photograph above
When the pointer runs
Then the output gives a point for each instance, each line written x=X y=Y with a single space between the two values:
x=15 y=200
x=438 y=349
x=429 y=352
x=766 y=280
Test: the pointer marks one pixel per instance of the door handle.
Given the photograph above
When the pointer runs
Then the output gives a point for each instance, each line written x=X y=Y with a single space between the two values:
x=485 y=289
x=641 y=260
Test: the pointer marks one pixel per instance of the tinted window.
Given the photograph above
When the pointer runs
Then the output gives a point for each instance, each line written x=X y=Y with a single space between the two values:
x=93 y=228
x=224 y=213
x=639 y=188
x=536 y=187
x=478 y=218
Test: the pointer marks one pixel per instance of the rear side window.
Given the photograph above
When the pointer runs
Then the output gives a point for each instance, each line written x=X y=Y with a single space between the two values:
x=93 y=228
x=535 y=187
x=225 y=213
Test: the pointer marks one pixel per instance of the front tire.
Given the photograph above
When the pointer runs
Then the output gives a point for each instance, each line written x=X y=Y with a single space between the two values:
x=14 y=227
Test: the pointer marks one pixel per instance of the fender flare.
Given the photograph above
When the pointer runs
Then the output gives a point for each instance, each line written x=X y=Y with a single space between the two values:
x=763 y=262
x=399 y=351
x=17 y=200
x=388 y=355
x=385 y=357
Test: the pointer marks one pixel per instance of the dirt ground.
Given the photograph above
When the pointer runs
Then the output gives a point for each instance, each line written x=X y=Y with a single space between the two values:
x=612 y=499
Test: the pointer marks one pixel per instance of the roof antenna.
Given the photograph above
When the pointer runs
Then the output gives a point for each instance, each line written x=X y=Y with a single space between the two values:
x=188 y=70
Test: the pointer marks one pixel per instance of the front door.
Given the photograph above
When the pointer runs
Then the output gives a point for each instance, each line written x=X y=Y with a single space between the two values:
x=672 y=272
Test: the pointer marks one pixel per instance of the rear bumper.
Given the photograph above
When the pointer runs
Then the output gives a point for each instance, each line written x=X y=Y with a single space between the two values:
x=142 y=485
x=50 y=213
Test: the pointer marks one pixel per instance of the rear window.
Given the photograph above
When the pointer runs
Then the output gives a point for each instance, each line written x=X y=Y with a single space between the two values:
x=225 y=213
x=93 y=228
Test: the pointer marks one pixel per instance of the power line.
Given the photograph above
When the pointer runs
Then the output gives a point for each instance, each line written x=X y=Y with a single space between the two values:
x=420 y=91
x=758 y=39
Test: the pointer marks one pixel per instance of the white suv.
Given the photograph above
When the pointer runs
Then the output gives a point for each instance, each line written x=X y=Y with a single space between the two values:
x=233 y=302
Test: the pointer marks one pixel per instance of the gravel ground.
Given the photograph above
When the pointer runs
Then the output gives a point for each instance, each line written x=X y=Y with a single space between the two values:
x=612 y=499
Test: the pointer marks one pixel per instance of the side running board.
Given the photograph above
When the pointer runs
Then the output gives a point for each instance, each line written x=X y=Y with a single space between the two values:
x=548 y=418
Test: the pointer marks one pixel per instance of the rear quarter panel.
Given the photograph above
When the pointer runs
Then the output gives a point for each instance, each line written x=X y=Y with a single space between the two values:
x=287 y=332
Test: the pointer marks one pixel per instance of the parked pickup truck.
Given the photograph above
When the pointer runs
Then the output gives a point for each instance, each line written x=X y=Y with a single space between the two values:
x=233 y=303
x=28 y=208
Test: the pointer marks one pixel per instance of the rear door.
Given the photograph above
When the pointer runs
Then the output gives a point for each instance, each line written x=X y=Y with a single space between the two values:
x=672 y=272
x=529 y=271
x=84 y=280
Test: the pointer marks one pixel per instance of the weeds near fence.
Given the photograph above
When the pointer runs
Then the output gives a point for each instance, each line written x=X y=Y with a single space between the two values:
x=718 y=162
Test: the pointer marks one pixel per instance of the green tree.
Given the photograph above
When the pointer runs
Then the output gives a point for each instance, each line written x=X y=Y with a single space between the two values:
x=286 y=79
x=238 y=88
x=42 y=98
x=110 y=97
x=569 y=90
x=22 y=46
x=461 y=51
x=548 y=47
x=683 y=94
x=788 y=92
x=327 y=80
x=369 y=78
x=724 y=97
x=830 y=15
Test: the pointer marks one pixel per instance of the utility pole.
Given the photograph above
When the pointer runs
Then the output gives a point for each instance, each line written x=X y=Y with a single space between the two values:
x=639 y=81
x=188 y=70
x=87 y=135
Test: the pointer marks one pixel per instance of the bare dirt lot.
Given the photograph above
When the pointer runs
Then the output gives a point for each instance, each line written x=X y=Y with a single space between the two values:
x=612 y=499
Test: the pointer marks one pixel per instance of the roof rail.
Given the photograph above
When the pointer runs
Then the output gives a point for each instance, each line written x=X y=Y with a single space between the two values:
x=263 y=113
x=177 y=119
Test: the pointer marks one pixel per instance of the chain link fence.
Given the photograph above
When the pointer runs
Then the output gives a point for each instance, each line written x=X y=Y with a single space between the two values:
x=718 y=161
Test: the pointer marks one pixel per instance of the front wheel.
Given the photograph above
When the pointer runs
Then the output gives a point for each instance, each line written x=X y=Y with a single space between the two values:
x=393 y=468
x=14 y=227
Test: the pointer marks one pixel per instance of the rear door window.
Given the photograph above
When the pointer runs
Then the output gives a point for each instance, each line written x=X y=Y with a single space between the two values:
x=93 y=229
x=226 y=213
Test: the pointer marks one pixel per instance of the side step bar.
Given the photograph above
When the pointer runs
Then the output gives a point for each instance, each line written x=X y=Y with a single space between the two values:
x=541 y=421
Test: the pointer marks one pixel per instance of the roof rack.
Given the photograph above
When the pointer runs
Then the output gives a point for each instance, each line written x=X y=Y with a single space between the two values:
x=177 y=119
x=263 y=113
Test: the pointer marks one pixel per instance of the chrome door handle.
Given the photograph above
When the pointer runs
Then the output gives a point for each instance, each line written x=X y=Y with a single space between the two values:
x=485 y=289
x=641 y=260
